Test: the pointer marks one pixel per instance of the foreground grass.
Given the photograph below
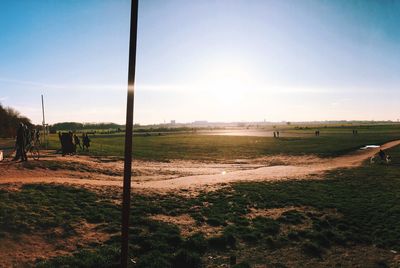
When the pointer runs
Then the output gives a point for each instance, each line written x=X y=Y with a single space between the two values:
x=75 y=166
x=332 y=142
x=366 y=200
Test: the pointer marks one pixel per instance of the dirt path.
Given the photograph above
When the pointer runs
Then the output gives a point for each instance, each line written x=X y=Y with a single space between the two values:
x=182 y=174
x=280 y=172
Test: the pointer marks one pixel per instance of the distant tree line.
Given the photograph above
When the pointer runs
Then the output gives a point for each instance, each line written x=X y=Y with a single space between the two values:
x=74 y=126
x=164 y=129
x=113 y=128
x=9 y=120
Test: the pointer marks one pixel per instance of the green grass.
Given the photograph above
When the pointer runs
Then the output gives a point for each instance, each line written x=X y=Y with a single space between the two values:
x=42 y=207
x=332 y=142
x=75 y=166
x=366 y=198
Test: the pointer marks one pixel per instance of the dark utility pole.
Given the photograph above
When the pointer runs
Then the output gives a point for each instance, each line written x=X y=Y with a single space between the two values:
x=128 y=137
x=44 y=125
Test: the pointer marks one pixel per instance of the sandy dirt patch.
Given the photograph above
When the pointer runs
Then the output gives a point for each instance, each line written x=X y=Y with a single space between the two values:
x=271 y=173
x=189 y=175
x=276 y=213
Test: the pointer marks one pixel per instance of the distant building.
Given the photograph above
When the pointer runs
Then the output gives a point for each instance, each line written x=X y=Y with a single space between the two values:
x=173 y=122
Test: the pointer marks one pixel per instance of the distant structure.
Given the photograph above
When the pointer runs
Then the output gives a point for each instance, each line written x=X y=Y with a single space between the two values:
x=173 y=122
x=200 y=122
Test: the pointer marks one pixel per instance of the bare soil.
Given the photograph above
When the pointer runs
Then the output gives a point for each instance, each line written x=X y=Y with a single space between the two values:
x=176 y=175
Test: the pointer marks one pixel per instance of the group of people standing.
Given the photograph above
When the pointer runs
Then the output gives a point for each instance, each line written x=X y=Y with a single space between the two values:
x=85 y=142
x=276 y=134
x=70 y=142
x=27 y=138
x=24 y=140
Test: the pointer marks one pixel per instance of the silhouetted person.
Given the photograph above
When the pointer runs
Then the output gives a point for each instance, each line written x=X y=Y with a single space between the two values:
x=277 y=134
x=37 y=136
x=274 y=134
x=20 y=143
x=27 y=136
x=77 y=141
x=86 y=142
x=71 y=142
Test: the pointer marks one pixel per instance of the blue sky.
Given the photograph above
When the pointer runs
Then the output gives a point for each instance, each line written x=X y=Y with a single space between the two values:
x=216 y=60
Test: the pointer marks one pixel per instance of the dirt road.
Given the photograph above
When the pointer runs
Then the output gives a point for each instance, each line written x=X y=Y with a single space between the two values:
x=176 y=175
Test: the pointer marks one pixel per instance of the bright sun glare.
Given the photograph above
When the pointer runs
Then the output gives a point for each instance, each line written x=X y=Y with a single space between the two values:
x=226 y=83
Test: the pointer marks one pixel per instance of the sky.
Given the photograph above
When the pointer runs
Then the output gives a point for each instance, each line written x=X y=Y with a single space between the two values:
x=215 y=60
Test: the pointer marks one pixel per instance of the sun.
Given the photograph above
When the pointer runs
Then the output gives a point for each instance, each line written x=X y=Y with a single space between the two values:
x=226 y=82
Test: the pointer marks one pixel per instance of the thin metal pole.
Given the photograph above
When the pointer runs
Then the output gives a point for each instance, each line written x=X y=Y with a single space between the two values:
x=128 y=137
x=44 y=124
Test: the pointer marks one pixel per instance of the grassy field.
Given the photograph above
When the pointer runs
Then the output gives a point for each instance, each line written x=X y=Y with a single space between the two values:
x=278 y=224
x=332 y=142
x=349 y=208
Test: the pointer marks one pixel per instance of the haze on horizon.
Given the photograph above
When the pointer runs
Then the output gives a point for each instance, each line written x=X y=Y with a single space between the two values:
x=202 y=60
